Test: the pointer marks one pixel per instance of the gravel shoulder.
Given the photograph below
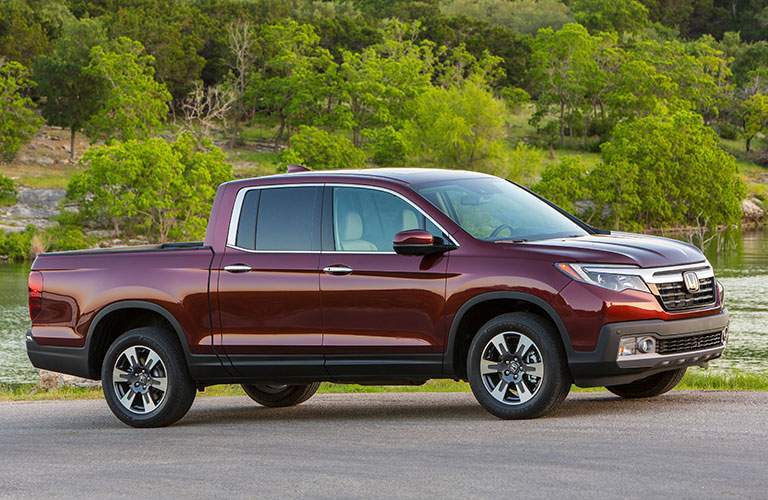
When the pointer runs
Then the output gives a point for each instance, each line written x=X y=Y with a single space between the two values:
x=395 y=445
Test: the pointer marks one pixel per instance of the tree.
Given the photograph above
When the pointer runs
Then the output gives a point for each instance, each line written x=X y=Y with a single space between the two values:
x=754 y=117
x=377 y=83
x=18 y=120
x=522 y=16
x=611 y=15
x=565 y=71
x=72 y=93
x=319 y=149
x=457 y=127
x=292 y=81
x=22 y=37
x=663 y=170
x=135 y=105
x=152 y=187
x=564 y=183
x=170 y=31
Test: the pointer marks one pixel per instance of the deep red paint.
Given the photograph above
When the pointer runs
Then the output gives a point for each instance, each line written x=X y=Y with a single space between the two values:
x=389 y=304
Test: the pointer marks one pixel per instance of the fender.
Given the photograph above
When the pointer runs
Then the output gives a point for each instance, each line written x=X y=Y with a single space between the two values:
x=448 y=367
x=138 y=304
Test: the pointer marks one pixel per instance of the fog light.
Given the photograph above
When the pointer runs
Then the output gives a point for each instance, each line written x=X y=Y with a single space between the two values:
x=629 y=346
x=646 y=345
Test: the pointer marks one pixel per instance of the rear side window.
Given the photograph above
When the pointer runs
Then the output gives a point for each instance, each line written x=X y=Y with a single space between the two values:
x=280 y=219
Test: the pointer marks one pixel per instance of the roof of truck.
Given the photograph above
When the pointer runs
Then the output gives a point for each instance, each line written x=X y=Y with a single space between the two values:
x=403 y=175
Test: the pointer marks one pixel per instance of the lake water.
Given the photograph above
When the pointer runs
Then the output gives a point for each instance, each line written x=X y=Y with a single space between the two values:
x=742 y=268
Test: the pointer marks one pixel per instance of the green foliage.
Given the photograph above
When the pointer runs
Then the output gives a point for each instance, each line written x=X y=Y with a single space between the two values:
x=157 y=188
x=521 y=164
x=754 y=117
x=457 y=127
x=377 y=83
x=293 y=80
x=16 y=246
x=522 y=16
x=172 y=32
x=611 y=15
x=22 y=37
x=61 y=238
x=318 y=149
x=18 y=121
x=386 y=146
x=135 y=105
x=7 y=191
x=664 y=170
x=72 y=93
x=564 y=183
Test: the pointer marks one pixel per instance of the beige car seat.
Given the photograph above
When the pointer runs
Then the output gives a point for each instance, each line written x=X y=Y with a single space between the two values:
x=352 y=234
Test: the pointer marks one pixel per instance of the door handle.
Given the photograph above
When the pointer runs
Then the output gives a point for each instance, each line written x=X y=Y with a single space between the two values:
x=337 y=270
x=237 y=268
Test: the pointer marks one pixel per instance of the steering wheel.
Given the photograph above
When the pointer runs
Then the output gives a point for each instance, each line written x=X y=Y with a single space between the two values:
x=499 y=229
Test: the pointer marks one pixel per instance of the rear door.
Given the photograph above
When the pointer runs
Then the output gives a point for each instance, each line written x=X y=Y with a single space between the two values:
x=269 y=291
x=382 y=311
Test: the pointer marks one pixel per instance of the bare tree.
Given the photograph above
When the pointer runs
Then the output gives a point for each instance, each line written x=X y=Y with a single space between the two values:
x=205 y=108
x=242 y=45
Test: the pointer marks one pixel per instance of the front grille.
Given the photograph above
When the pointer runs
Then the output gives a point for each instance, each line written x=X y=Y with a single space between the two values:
x=674 y=296
x=690 y=343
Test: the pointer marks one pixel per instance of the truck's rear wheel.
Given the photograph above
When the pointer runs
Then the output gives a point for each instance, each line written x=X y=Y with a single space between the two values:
x=517 y=367
x=649 y=387
x=277 y=396
x=145 y=379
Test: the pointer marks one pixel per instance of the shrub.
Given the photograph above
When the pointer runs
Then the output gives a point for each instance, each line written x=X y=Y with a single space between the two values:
x=664 y=170
x=316 y=148
x=386 y=146
x=65 y=237
x=564 y=183
x=7 y=191
x=155 y=188
x=16 y=246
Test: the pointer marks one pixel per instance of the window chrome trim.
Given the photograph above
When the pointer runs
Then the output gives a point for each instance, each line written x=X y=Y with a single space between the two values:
x=234 y=219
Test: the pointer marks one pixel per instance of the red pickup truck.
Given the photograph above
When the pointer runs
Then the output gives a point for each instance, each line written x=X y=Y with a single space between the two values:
x=391 y=276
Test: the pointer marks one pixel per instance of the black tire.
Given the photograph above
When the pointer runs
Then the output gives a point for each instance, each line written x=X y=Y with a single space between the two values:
x=279 y=396
x=553 y=386
x=649 y=387
x=179 y=391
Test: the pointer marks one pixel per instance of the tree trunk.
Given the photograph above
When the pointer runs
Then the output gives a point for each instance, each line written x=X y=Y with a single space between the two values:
x=748 y=143
x=72 y=144
x=562 y=124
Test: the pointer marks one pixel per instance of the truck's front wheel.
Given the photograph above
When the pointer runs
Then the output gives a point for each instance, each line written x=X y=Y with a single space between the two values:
x=277 y=396
x=145 y=378
x=649 y=387
x=517 y=368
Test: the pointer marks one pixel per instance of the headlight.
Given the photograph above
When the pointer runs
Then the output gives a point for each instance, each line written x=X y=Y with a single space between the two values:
x=612 y=278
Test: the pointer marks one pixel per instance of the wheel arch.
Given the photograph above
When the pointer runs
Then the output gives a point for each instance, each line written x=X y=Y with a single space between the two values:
x=495 y=303
x=97 y=341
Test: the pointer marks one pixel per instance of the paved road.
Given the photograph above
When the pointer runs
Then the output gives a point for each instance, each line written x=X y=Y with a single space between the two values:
x=686 y=444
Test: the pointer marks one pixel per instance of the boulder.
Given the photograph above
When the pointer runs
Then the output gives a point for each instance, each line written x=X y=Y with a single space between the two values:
x=752 y=211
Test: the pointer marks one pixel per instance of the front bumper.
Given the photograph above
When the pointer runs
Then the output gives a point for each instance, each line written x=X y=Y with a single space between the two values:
x=601 y=366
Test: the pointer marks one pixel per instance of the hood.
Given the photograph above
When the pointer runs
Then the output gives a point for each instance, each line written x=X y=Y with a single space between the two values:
x=619 y=248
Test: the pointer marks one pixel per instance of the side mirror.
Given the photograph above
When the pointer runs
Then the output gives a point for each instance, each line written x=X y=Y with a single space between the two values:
x=419 y=242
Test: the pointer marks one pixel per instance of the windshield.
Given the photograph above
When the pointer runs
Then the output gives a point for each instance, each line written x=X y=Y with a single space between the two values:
x=493 y=209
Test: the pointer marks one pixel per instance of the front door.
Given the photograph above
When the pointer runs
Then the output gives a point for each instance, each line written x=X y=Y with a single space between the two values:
x=381 y=311
x=269 y=291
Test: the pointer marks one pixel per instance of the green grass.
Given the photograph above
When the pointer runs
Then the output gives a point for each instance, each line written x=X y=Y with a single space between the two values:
x=694 y=380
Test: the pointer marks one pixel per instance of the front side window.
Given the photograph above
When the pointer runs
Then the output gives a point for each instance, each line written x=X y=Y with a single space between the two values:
x=493 y=209
x=367 y=220
x=280 y=219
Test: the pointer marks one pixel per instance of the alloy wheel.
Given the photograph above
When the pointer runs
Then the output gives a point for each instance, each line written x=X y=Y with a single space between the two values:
x=512 y=368
x=140 y=379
